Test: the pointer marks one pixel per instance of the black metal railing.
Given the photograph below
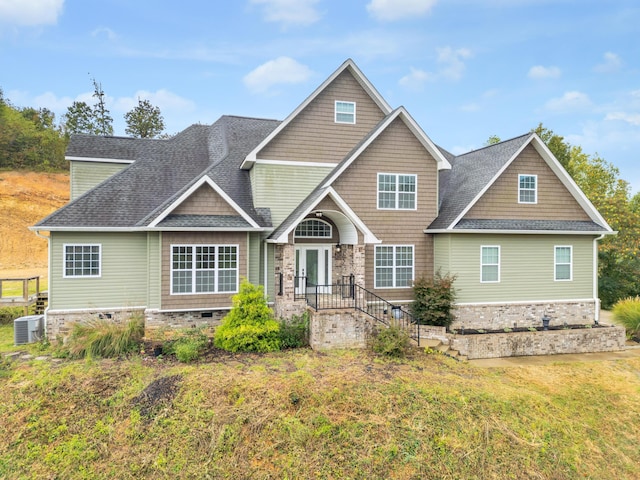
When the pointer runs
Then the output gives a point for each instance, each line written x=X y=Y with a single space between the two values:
x=347 y=294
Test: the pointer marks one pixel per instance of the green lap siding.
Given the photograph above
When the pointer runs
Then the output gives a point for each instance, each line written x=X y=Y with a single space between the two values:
x=154 y=259
x=526 y=267
x=123 y=279
x=254 y=259
x=86 y=175
x=282 y=187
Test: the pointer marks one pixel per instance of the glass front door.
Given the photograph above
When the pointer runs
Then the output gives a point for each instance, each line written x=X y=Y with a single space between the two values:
x=313 y=265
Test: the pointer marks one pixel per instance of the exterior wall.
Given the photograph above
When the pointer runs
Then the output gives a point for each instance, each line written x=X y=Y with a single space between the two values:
x=495 y=345
x=123 y=281
x=254 y=246
x=59 y=322
x=395 y=151
x=338 y=329
x=523 y=315
x=283 y=187
x=526 y=267
x=501 y=200
x=154 y=252
x=205 y=201
x=157 y=321
x=86 y=175
x=313 y=136
x=199 y=301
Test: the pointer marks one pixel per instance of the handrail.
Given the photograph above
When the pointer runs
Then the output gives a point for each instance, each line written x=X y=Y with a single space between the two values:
x=351 y=295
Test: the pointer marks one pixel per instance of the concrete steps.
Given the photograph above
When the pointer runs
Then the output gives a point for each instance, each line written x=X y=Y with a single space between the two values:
x=443 y=348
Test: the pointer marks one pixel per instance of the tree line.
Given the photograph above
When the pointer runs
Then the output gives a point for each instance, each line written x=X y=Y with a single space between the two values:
x=31 y=139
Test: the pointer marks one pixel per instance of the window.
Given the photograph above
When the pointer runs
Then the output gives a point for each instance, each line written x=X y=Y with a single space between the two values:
x=204 y=269
x=82 y=260
x=527 y=189
x=396 y=192
x=313 y=228
x=563 y=263
x=394 y=266
x=345 y=112
x=489 y=264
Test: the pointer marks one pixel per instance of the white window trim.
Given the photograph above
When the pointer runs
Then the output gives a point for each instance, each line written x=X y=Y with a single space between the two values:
x=194 y=270
x=335 y=112
x=314 y=236
x=397 y=192
x=555 y=263
x=535 y=190
x=491 y=264
x=64 y=259
x=394 y=266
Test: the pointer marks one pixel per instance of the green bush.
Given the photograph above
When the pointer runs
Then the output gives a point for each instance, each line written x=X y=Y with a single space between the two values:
x=249 y=326
x=434 y=300
x=189 y=346
x=294 y=333
x=392 y=342
x=9 y=314
x=627 y=312
x=104 y=338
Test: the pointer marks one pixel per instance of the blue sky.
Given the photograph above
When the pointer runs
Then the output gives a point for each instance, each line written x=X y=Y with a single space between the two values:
x=464 y=69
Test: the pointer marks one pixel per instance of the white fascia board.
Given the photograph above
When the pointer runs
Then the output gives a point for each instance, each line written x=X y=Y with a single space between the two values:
x=99 y=160
x=442 y=162
x=369 y=237
x=518 y=232
x=207 y=229
x=87 y=229
x=567 y=181
x=251 y=158
x=205 y=179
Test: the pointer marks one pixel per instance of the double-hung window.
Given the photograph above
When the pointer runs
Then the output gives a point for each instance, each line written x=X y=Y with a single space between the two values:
x=394 y=266
x=527 y=189
x=82 y=260
x=345 y=112
x=563 y=263
x=204 y=269
x=396 y=191
x=490 y=264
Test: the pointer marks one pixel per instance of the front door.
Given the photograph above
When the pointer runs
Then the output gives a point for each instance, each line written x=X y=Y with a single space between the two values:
x=313 y=263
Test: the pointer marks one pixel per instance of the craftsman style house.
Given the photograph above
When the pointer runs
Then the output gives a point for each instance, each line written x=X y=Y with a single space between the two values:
x=345 y=191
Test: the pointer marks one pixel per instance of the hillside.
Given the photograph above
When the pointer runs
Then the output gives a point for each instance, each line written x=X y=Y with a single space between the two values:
x=26 y=198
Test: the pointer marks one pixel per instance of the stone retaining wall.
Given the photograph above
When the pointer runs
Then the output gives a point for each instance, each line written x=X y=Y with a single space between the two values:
x=338 y=329
x=497 y=317
x=550 y=342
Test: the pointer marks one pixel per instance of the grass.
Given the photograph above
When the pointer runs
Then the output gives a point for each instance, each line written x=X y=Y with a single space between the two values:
x=303 y=414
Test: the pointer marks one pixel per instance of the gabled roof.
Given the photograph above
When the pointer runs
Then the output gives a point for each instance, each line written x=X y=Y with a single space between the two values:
x=360 y=78
x=163 y=171
x=472 y=174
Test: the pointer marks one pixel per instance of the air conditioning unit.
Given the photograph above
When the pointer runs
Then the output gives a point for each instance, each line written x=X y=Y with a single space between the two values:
x=28 y=329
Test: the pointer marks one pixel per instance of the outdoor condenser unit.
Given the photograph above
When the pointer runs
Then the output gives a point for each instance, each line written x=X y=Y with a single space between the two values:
x=28 y=329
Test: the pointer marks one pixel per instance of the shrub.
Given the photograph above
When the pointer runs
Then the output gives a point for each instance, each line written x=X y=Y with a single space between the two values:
x=249 y=326
x=392 y=342
x=433 y=300
x=9 y=314
x=190 y=346
x=627 y=312
x=104 y=338
x=294 y=333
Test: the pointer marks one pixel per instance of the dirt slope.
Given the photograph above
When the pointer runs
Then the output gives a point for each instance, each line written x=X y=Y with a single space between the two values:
x=26 y=198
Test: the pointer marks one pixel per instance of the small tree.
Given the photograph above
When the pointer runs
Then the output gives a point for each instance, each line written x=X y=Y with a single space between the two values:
x=433 y=300
x=249 y=326
x=144 y=120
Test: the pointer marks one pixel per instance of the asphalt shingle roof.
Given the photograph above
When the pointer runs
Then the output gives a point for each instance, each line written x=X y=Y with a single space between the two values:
x=530 y=225
x=204 y=221
x=163 y=169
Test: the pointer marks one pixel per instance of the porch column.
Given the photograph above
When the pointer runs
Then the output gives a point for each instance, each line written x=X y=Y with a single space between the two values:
x=285 y=305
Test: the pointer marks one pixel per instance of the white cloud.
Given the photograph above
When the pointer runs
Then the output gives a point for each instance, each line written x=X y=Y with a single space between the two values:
x=274 y=72
x=630 y=118
x=570 y=101
x=110 y=34
x=540 y=72
x=30 y=12
x=165 y=100
x=416 y=79
x=289 y=12
x=390 y=10
x=612 y=63
x=450 y=67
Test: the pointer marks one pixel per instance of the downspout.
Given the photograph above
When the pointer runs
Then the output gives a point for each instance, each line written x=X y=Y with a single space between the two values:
x=595 y=279
x=49 y=258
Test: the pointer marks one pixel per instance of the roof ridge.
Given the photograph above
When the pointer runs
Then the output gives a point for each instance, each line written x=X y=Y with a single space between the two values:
x=502 y=142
